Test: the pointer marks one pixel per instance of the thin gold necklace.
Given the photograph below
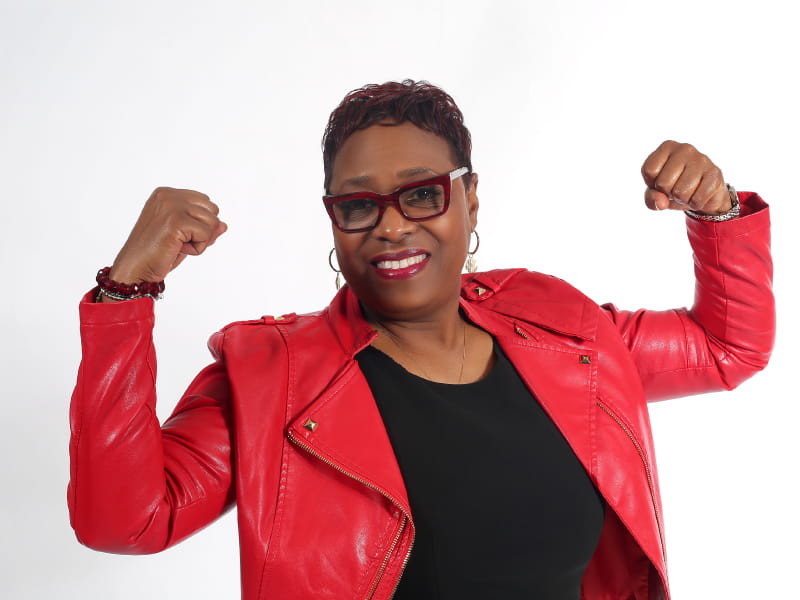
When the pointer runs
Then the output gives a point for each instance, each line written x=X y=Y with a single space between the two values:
x=412 y=358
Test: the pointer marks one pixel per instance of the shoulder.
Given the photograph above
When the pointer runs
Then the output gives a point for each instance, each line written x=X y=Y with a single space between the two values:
x=264 y=332
x=541 y=299
x=510 y=284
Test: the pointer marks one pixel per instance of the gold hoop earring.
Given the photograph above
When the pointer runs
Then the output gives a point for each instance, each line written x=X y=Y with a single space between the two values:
x=335 y=270
x=472 y=264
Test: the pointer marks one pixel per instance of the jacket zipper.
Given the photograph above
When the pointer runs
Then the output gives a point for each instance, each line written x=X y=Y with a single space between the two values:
x=650 y=484
x=386 y=561
x=406 y=516
x=405 y=562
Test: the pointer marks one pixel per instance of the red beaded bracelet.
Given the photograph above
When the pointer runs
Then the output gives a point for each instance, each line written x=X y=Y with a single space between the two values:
x=127 y=291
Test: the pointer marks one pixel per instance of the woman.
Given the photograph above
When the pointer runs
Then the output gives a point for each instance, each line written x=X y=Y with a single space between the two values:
x=428 y=434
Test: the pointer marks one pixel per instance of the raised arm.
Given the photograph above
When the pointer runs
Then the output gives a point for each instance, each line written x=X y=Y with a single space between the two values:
x=136 y=487
x=728 y=333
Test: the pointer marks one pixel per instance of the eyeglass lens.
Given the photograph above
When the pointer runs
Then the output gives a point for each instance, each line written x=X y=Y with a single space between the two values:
x=420 y=202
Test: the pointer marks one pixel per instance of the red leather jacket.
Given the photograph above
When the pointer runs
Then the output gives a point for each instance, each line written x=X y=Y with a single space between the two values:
x=284 y=424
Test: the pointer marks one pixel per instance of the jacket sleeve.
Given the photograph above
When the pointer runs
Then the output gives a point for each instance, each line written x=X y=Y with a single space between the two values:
x=136 y=487
x=728 y=334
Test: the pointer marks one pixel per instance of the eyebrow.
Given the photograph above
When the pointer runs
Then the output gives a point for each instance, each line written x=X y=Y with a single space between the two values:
x=405 y=173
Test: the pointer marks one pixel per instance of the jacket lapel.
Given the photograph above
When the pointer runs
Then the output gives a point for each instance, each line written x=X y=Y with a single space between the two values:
x=344 y=429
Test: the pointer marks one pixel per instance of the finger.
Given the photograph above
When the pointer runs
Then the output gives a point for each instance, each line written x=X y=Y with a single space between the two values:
x=218 y=231
x=222 y=227
x=203 y=201
x=711 y=195
x=655 y=162
x=656 y=200
x=196 y=241
x=684 y=188
x=193 y=230
x=718 y=200
x=193 y=248
x=202 y=215
x=202 y=237
x=176 y=197
x=669 y=175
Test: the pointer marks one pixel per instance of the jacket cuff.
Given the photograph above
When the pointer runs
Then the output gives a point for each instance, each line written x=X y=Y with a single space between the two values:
x=109 y=313
x=754 y=215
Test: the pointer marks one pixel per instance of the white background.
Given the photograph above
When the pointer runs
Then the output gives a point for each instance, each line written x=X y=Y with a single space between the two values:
x=103 y=101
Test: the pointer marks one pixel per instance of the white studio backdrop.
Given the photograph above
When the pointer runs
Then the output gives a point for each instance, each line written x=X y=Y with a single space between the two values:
x=103 y=101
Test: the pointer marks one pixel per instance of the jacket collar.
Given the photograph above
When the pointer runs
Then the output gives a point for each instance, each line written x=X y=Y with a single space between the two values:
x=350 y=328
x=540 y=300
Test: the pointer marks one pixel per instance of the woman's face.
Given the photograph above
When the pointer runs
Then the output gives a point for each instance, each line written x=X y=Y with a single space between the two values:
x=380 y=159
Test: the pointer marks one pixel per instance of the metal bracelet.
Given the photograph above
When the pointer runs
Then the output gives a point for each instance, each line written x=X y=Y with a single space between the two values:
x=116 y=296
x=731 y=214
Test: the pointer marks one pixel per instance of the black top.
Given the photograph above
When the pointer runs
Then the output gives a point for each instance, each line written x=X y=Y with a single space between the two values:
x=502 y=506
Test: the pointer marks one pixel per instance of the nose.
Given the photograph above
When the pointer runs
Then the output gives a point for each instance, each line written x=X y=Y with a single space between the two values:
x=393 y=226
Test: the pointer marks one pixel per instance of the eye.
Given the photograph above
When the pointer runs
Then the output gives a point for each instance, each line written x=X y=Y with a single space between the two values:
x=428 y=196
x=354 y=209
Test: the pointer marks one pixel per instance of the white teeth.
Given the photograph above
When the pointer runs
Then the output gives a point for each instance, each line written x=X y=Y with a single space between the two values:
x=401 y=264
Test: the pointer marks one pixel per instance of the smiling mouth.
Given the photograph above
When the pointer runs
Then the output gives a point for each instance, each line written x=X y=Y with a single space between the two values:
x=399 y=267
x=401 y=264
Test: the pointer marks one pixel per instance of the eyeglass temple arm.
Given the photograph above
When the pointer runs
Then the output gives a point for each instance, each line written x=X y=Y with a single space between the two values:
x=458 y=173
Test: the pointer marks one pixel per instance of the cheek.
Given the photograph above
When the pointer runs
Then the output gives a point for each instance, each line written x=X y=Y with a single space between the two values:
x=462 y=229
x=346 y=251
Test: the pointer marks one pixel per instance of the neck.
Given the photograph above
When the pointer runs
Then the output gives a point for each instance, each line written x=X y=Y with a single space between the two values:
x=443 y=331
x=434 y=349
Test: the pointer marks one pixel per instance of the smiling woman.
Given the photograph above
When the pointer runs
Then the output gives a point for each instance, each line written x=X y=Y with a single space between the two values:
x=382 y=158
x=429 y=434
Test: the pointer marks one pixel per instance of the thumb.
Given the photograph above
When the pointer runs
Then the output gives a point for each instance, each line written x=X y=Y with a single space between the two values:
x=222 y=227
x=655 y=200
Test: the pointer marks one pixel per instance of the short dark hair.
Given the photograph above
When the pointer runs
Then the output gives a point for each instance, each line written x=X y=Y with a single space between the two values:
x=418 y=102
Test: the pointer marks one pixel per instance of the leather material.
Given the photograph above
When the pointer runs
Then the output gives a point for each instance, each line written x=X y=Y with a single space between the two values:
x=283 y=422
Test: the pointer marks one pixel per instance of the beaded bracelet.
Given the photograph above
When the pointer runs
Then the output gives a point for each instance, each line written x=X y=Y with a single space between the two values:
x=127 y=291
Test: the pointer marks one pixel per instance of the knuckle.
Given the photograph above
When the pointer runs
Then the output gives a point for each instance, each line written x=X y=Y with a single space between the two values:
x=162 y=192
x=167 y=198
x=650 y=170
x=715 y=177
x=681 y=188
x=706 y=162
x=687 y=152
x=695 y=203
x=663 y=182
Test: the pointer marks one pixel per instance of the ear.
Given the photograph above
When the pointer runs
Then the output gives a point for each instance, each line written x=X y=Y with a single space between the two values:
x=472 y=200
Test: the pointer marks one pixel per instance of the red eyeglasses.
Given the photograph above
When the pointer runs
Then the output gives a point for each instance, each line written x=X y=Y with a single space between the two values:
x=417 y=201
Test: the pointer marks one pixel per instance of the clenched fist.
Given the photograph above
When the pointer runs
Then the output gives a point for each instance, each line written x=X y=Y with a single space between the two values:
x=679 y=177
x=173 y=224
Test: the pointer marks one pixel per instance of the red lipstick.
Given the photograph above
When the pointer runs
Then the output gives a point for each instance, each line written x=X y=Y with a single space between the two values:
x=400 y=265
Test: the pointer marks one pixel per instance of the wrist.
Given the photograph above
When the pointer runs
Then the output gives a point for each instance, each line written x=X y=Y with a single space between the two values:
x=732 y=213
x=111 y=289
